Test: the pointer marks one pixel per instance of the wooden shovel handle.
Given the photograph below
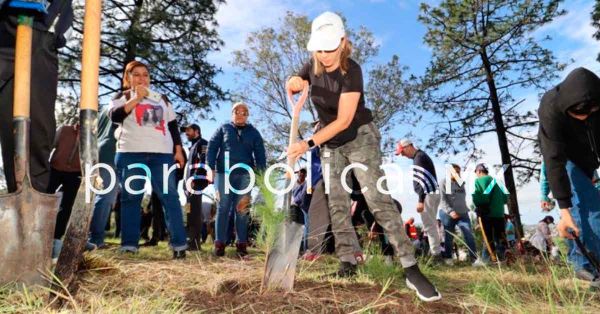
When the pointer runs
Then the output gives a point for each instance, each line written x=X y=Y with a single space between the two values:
x=90 y=62
x=296 y=108
x=22 y=91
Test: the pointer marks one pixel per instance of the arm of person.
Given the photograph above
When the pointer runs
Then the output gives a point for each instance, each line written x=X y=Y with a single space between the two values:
x=118 y=112
x=445 y=203
x=553 y=146
x=479 y=197
x=259 y=152
x=544 y=185
x=346 y=111
x=214 y=144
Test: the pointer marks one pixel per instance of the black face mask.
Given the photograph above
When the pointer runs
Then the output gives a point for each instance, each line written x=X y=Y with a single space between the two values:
x=584 y=108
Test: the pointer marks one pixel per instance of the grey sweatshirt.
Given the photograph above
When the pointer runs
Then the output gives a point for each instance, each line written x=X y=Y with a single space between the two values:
x=453 y=200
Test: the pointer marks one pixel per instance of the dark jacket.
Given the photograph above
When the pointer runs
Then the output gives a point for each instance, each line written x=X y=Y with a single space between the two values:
x=424 y=180
x=563 y=137
x=244 y=144
x=196 y=158
x=107 y=143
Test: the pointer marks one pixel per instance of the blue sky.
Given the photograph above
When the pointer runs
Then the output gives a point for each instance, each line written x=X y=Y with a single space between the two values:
x=395 y=26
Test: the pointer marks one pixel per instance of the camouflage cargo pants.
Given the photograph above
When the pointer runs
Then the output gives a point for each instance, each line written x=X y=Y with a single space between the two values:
x=363 y=150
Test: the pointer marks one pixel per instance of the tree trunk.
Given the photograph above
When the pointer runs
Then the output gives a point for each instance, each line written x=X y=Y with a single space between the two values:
x=131 y=52
x=513 y=205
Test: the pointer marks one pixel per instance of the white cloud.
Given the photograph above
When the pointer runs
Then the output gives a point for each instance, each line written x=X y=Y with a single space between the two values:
x=575 y=27
x=238 y=18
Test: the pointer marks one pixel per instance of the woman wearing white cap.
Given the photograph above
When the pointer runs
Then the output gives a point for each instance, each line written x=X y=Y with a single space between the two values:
x=348 y=137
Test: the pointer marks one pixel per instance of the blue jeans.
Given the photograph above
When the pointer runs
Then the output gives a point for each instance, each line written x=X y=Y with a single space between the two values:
x=227 y=204
x=130 y=203
x=464 y=224
x=586 y=214
x=102 y=206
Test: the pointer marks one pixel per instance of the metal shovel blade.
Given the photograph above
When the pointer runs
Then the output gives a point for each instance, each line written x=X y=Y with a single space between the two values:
x=27 y=220
x=280 y=266
x=280 y=269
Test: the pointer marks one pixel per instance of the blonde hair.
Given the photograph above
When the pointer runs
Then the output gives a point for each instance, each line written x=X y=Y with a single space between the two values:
x=346 y=47
x=128 y=69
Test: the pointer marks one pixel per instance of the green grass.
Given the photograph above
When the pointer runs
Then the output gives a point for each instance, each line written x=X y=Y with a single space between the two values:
x=150 y=282
x=265 y=213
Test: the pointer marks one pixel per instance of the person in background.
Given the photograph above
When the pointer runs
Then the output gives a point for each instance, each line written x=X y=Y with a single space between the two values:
x=155 y=218
x=243 y=145
x=302 y=200
x=147 y=135
x=542 y=238
x=489 y=200
x=454 y=212
x=65 y=172
x=426 y=186
x=104 y=202
x=511 y=237
x=195 y=169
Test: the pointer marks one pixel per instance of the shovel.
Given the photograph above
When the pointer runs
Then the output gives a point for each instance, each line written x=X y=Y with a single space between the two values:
x=590 y=257
x=280 y=265
x=486 y=242
x=27 y=217
x=76 y=235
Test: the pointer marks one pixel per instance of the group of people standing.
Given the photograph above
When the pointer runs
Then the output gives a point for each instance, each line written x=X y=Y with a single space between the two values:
x=139 y=135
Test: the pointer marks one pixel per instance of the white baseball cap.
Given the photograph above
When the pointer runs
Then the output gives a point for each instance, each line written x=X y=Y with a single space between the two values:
x=239 y=105
x=327 y=31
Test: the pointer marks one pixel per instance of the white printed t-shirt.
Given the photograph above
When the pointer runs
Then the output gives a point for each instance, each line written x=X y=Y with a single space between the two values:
x=145 y=129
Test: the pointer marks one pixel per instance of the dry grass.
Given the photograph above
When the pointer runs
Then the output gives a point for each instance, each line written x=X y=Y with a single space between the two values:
x=150 y=282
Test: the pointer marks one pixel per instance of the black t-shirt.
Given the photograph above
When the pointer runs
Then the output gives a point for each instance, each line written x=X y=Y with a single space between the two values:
x=325 y=94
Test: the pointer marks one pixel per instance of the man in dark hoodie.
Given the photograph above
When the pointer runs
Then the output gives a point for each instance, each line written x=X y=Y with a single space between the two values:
x=426 y=186
x=569 y=129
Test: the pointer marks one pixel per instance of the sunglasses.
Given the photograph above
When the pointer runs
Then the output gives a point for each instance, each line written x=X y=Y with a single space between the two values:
x=241 y=113
x=584 y=108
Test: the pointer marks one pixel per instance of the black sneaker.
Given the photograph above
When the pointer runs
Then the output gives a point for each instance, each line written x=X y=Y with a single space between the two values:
x=346 y=270
x=416 y=281
x=179 y=254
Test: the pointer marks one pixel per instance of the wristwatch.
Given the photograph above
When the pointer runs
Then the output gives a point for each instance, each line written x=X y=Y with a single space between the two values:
x=311 y=143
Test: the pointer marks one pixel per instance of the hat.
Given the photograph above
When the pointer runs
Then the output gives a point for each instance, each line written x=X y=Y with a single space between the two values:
x=238 y=105
x=193 y=126
x=327 y=31
x=401 y=144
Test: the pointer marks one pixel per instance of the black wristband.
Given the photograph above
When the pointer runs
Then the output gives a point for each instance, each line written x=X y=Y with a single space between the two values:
x=310 y=143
